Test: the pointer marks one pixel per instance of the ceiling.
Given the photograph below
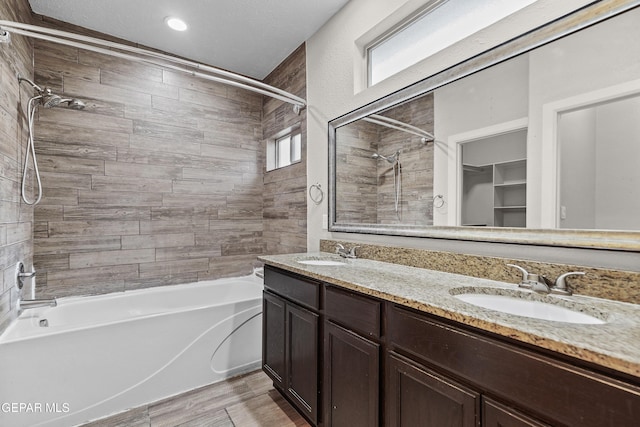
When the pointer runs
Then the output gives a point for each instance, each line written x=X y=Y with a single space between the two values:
x=249 y=37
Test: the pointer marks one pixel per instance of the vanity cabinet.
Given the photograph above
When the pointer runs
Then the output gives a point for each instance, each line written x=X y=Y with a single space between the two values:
x=418 y=396
x=495 y=414
x=290 y=338
x=351 y=360
x=366 y=362
x=546 y=389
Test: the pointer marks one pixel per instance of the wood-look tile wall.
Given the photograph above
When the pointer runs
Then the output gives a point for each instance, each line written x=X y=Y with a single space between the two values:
x=416 y=159
x=158 y=181
x=366 y=187
x=16 y=218
x=285 y=190
x=357 y=173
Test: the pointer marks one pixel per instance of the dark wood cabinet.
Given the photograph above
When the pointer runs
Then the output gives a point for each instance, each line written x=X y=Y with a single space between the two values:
x=546 y=388
x=302 y=359
x=385 y=364
x=417 y=396
x=273 y=332
x=290 y=347
x=495 y=414
x=351 y=378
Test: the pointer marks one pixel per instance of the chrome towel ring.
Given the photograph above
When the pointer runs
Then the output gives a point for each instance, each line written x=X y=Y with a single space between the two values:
x=316 y=194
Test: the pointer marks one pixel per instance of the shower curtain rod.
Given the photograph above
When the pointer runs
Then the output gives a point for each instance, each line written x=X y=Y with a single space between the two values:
x=398 y=125
x=149 y=57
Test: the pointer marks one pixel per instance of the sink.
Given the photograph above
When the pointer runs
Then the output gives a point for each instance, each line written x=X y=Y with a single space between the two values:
x=325 y=262
x=528 y=308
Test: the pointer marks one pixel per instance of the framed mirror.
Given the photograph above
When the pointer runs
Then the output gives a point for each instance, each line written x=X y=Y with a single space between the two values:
x=536 y=142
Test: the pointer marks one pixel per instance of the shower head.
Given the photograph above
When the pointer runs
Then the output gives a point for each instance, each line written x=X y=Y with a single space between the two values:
x=391 y=159
x=74 y=104
x=50 y=100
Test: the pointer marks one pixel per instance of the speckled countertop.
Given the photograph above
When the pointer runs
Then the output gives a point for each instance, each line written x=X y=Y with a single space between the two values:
x=614 y=344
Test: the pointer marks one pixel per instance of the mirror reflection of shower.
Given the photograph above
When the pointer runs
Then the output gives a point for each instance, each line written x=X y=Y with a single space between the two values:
x=394 y=159
x=46 y=98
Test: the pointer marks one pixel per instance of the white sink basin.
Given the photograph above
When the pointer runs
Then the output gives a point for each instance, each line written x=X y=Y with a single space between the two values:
x=325 y=262
x=529 y=308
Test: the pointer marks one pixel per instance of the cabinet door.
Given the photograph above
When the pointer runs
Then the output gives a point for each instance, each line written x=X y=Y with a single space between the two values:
x=273 y=338
x=302 y=358
x=351 y=378
x=416 y=396
x=498 y=415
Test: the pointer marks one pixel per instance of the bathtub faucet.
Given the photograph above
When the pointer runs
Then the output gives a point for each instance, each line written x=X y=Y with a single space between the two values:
x=25 y=304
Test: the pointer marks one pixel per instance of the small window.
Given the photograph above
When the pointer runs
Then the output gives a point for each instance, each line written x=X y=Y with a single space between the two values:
x=284 y=151
x=436 y=27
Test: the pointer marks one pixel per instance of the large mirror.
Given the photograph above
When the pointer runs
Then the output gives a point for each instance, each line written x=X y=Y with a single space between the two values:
x=537 y=141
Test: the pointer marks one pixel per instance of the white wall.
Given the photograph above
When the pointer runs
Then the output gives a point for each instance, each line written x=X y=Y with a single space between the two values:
x=617 y=207
x=569 y=67
x=336 y=70
x=577 y=139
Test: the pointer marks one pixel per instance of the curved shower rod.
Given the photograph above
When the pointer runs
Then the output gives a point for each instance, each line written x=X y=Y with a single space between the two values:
x=135 y=54
x=398 y=125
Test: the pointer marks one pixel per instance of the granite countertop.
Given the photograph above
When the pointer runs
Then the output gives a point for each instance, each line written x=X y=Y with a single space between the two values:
x=614 y=344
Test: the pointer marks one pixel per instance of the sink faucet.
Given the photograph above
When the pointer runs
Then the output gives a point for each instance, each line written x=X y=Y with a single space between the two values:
x=346 y=253
x=535 y=282
x=539 y=283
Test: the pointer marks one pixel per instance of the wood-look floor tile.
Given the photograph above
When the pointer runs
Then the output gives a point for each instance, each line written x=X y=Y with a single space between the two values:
x=266 y=410
x=259 y=382
x=137 y=417
x=194 y=404
x=217 y=419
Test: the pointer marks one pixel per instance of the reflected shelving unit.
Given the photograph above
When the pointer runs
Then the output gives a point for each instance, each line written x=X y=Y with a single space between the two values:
x=494 y=181
x=510 y=194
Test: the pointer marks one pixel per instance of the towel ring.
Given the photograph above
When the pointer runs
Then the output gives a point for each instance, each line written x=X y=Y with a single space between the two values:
x=438 y=201
x=319 y=197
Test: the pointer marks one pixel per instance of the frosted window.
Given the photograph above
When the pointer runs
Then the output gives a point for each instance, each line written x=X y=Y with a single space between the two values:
x=284 y=151
x=434 y=31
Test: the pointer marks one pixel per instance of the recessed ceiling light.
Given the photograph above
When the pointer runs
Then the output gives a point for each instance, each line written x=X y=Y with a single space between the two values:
x=175 y=23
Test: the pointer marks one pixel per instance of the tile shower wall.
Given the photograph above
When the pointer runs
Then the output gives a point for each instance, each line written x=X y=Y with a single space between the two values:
x=357 y=174
x=416 y=159
x=366 y=185
x=159 y=180
x=16 y=218
x=285 y=194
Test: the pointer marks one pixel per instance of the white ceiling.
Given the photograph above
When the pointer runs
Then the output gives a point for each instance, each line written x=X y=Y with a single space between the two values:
x=249 y=37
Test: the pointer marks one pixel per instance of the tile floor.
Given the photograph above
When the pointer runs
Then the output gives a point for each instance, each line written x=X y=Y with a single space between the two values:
x=245 y=401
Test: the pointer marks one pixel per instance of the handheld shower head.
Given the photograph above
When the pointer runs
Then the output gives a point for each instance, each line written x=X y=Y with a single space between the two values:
x=50 y=100
x=391 y=159
x=73 y=103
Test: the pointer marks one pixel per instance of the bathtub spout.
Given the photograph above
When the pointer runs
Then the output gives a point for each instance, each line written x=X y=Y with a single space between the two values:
x=25 y=304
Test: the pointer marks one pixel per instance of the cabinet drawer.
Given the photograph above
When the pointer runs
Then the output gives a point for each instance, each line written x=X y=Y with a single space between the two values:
x=549 y=388
x=298 y=289
x=355 y=312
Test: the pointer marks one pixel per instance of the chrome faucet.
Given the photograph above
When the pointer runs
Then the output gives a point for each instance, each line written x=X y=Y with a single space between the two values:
x=535 y=282
x=26 y=304
x=346 y=253
x=539 y=283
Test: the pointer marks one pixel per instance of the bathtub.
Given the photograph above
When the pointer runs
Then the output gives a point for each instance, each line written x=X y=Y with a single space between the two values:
x=101 y=355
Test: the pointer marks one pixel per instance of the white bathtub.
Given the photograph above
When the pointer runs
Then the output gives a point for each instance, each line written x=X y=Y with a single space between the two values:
x=104 y=354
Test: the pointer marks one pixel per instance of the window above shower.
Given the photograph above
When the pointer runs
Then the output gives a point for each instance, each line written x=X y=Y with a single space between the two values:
x=438 y=25
x=284 y=150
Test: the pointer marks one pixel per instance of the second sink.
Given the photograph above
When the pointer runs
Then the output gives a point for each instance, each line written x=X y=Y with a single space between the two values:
x=528 y=308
